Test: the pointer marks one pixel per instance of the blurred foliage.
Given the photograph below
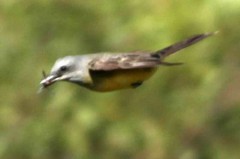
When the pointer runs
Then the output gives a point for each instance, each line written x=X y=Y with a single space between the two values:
x=186 y=112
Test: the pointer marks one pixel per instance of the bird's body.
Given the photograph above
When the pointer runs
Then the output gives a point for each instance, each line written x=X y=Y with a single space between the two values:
x=107 y=71
x=119 y=79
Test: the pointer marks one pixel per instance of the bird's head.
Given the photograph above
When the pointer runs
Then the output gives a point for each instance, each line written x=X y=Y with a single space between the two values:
x=64 y=69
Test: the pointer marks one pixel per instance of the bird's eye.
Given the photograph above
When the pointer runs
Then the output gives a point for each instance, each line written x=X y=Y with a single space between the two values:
x=63 y=68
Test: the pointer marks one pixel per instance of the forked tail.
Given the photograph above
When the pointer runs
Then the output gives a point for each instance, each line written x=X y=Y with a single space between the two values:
x=181 y=45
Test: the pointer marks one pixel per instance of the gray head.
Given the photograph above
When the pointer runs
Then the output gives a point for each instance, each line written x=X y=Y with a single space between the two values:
x=65 y=69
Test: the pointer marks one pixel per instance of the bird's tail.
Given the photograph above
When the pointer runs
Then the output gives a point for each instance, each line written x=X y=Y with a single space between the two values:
x=181 y=45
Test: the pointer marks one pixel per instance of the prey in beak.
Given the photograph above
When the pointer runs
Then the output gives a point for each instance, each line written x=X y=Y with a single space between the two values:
x=47 y=81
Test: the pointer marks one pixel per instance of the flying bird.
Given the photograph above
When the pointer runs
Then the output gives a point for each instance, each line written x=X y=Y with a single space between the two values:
x=105 y=72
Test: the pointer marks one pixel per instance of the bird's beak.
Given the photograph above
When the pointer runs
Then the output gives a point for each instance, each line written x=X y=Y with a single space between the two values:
x=49 y=80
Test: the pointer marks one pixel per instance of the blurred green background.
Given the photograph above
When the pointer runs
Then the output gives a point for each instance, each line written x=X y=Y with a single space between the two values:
x=185 y=112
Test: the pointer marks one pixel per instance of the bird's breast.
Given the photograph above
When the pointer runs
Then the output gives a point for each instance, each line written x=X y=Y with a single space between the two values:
x=104 y=81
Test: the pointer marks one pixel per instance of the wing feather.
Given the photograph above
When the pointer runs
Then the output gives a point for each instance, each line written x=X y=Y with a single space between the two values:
x=123 y=61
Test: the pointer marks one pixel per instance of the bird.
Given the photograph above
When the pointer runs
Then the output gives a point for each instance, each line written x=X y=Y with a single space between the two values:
x=105 y=72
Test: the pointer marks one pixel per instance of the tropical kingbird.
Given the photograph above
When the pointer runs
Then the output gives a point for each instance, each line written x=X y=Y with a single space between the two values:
x=107 y=71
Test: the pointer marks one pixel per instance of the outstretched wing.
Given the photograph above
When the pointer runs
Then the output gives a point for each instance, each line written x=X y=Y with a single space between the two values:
x=108 y=62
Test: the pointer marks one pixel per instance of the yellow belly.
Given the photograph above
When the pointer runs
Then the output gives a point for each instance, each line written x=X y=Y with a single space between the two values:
x=104 y=81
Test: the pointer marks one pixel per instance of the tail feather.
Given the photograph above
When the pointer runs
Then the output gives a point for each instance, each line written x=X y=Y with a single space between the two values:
x=181 y=45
